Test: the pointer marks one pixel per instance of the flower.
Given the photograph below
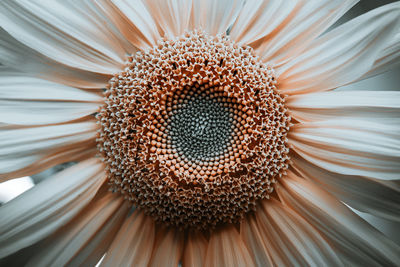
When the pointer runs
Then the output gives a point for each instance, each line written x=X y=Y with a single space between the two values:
x=203 y=132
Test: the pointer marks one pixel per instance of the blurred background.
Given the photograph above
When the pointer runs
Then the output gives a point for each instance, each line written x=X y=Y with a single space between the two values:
x=387 y=81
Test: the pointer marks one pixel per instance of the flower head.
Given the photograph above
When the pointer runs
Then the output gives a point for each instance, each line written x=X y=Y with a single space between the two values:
x=206 y=133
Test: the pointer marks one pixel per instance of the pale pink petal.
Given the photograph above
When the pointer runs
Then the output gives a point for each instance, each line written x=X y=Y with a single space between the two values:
x=342 y=55
x=168 y=248
x=33 y=101
x=32 y=148
x=279 y=30
x=68 y=245
x=381 y=106
x=195 y=250
x=133 y=20
x=357 y=241
x=259 y=242
x=134 y=242
x=215 y=17
x=226 y=248
x=66 y=32
x=48 y=206
x=171 y=16
x=378 y=197
x=295 y=242
x=350 y=147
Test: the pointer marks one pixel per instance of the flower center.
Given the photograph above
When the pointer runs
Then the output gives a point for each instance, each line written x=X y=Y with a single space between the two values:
x=193 y=131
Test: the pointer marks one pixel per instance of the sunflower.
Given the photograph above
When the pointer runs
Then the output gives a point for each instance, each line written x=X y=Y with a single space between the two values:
x=200 y=133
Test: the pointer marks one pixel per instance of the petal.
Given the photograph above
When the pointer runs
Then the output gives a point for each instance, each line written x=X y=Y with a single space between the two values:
x=279 y=30
x=226 y=248
x=48 y=206
x=286 y=238
x=69 y=244
x=380 y=198
x=259 y=242
x=350 y=147
x=29 y=101
x=133 y=20
x=66 y=32
x=171 y=16
x=168 y=248
x=19 y=56
x=215 y=17
x=134 y=242
x=388 y=58
x=388 y=227
x=38 y=148
x=358 y=241
x=377 y=105
x=342 y=55
x=195 y=250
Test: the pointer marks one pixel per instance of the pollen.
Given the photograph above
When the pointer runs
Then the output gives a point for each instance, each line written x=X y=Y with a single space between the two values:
x=193 y=131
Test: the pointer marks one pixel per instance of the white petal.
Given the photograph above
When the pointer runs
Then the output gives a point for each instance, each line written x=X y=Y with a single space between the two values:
x=133 y=20
x=288 y=239
x=98 y=244
x=355 y=239
x=380 y=198
x=48 y=206
x=171 y=16
x=39 y=147
x=18 y=56
x=134 y=242
x=226 y=248
x=104 y=213
x=342 y=55
x=168 y=248
x=388 y=58
x=350 y=147
x=29 y=101
x=215 y=17
x=195 y=250
x=377 y=105
x=279 y=30
x=66 y=32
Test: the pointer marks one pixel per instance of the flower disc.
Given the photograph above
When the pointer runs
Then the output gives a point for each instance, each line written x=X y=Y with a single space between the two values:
x=193 y=131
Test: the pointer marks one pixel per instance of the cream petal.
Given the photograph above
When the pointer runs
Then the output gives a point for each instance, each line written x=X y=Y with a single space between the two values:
x=68 y=245
x=195 y=250
x=383 y=106
x=380 y=198
x=388 y=58
x=215 y=17
x=16 y=55
x=65 y=32
x=350 y=147
x=133 y=20
x=171 y=16
x=342 y=55
x=226 y=248
x=279 y=30
x=33 y=101
x=133 y=243
x=355 y=239
x=48 y=206
x=168 y=248
x=21 y=147
x=295 y=241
